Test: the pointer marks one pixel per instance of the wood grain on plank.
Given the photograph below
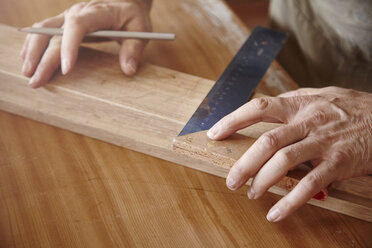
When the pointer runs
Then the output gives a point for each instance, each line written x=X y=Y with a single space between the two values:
x=351 y=197
x=225 y=153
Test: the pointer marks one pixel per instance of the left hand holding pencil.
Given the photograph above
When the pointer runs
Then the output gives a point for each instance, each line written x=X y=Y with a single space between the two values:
x=43 y=54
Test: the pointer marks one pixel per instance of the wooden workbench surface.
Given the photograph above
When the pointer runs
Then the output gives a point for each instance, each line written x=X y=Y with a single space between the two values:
x=58 y=188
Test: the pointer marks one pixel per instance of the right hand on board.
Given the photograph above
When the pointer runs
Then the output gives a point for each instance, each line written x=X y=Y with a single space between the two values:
x=43 y=54
x=329 y=127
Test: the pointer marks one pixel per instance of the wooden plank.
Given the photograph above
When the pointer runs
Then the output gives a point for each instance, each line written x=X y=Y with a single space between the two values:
x=225 y=153
x=351 y=197
x=143 y=113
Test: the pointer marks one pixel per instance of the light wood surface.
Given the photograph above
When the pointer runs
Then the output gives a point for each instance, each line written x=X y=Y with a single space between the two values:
x=63 y=189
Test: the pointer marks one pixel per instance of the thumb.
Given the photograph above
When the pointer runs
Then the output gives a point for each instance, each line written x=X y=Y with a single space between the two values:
x=130 y=54
x=131 y=49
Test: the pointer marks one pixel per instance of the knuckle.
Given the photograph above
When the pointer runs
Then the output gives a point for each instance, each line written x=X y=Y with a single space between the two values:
x=295 y=152
x=142 y=25
x=334 y=90
x=297 y=93
x=303 y=127
x=319 y=117
x=309 y=99
x=40 y=24
x=291 y=155
x=339 y=157
x=350 y=92
x=76 y=19
x=130 y=6
x=94 y=2
x=74 y=13
x=331 y=88
x=228 y=122
x=269 y=140
x=312 y=181
x=240 y=170
x=97 y=6
x=261 y=103
x=285 y=156
x=335 y=100
x=237 y=169
x=77 y=7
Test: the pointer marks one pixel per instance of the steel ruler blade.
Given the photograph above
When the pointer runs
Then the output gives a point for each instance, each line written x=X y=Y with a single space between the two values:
x=237 y=83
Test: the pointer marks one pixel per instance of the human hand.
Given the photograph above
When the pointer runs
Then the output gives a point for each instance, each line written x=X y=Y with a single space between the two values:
x=42 y=54
x=329 y=127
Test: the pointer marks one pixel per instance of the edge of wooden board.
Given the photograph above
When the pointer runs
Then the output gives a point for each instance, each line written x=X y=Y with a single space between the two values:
x=225 y=153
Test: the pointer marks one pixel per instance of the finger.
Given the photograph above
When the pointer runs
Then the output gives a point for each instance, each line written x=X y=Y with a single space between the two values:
x=262 y=150
x=130 y=55
x=48 y=64
x=271 y=109
x=320 y=177
x=36 y=45
x=76 y=25
x=131 y=50
x=81 y=19
x=283 y=161
x=300 y=92
x=312 y=91
x=24 y=47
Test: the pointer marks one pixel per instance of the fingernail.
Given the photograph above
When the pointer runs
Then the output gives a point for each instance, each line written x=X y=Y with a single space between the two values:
x=65 y=66
x=273 y=215
x=211 y=133
x=33 y=81
x=131 y=66
x=251 y=193
x=231 y=182
x=26 y=68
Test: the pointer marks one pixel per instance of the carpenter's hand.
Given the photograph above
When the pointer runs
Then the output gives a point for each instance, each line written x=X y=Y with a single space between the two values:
x=43 y=55
x=330 y=127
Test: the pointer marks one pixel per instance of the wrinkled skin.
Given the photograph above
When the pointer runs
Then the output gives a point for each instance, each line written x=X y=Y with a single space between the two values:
x=42 y=55
x=329 y=127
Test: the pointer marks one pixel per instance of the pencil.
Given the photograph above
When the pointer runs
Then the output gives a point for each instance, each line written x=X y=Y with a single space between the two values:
x=104 y=33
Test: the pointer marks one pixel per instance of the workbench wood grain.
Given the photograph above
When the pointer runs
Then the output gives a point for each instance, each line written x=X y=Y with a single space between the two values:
x=143 y=113
x=62 y=189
